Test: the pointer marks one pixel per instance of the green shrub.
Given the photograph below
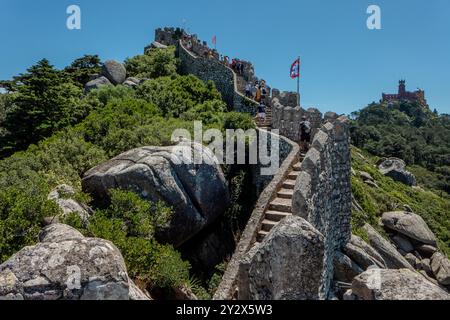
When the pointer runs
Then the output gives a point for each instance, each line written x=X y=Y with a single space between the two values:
x=154 y=63
x=174 y=96
x=22 y=209
x=238 y=120
x=129 y=222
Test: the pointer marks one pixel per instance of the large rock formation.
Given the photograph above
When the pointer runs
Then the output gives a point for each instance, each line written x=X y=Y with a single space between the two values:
x=410 y=225
x=197 y=193
x=114 y=71
x=344 y=268
x=393 y=259
x=402 y=284
x=287 y=265
x=63 y=196
x=97 y=83
x=66 y=265
x=440 y=266
x=396 y=169
x=363 y=254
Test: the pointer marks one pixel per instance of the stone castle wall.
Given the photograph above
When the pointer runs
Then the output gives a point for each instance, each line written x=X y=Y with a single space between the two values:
x=224 y=78
x=287 y=119
x=290 y=151
x=322 y=193
x=322 y=196
x=194 y=60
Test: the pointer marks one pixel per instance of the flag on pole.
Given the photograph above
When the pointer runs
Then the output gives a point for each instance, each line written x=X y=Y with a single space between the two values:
x=295 y=69
x=214 y=40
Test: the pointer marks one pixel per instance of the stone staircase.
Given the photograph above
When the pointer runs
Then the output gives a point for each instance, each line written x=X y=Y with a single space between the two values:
x=281 y=206
x=267 y=123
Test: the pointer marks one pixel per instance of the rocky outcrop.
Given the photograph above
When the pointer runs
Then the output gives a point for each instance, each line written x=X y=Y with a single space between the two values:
x=97 y=83
x=402 y=284
x=131 y=82
x=410 y=225
x=287 y=265
x=393 y=259
x=344 y=268
x=396 y=169
x=440 y=266
x=197 y=193
x=66 y=265
x=403 y=244
x=155 y=45
x=363 y=254
x=114 y=71
x=63 y=196
x=426 y=250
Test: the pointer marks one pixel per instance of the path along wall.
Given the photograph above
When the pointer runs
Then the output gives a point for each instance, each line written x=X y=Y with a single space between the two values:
x=223 y=77
x=322 y=193
x=289 y=151
x=322 y=196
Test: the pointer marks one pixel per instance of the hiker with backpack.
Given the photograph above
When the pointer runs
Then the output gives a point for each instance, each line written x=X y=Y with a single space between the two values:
x=263 y=91
x=305 y=134
x=257 y=93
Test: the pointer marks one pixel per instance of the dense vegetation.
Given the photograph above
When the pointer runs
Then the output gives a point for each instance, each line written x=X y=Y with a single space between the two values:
x=391 y=195
x=408 y=131
x=63 y=132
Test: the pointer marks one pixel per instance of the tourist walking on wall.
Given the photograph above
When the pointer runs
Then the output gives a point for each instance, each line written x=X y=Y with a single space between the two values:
x=226 y=60
x=261 y=113
x=305 y=134
x=249 y=90
x=263 y=91
x=257 y=93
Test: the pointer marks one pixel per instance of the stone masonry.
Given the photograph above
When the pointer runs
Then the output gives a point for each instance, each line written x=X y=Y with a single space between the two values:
x=322 y=194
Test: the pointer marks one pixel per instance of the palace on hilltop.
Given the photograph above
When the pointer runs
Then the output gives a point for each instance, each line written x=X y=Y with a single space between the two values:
x=403 y=95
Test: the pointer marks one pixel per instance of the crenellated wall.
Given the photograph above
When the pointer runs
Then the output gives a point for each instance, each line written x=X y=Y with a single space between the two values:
x=194 y=59
x=322 y=194
x=224 y=78
x=287 y=119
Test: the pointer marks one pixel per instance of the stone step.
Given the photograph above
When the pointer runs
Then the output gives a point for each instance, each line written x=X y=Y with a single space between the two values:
x=261 y=235
x=289 y=184
x=276 y=215
x=267 y=225
x=285 y=193
x=297 y=166
x=293 y=174
x=280 y=204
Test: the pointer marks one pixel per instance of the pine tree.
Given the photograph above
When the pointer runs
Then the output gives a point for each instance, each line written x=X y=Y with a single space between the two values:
x=45 y=100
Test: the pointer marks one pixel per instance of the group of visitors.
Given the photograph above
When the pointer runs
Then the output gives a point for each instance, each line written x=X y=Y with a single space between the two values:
x=257 y=92
x=237 y=66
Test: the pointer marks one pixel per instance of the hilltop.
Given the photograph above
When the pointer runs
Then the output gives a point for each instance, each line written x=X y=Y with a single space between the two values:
x=411 y=132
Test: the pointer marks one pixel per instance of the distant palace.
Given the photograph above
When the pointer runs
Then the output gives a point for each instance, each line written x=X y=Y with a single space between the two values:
x=403 y=95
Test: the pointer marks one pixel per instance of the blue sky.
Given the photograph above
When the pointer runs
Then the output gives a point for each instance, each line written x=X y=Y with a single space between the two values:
x=345 y=66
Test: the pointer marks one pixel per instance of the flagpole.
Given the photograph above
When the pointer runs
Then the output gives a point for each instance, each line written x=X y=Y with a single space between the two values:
x=298 y=83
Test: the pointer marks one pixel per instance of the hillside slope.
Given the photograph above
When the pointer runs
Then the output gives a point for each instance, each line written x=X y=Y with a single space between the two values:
x=391 y=195
x=408 y=131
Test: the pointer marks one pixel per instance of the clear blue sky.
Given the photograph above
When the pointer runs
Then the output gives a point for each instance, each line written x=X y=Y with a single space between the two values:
x=345 y=66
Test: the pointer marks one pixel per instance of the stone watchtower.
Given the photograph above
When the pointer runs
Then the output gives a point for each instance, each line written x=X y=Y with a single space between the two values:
x=401 y=88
